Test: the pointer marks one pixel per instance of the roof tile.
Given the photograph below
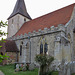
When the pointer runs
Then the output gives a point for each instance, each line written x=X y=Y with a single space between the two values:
x=10 y=46
x=61 y=16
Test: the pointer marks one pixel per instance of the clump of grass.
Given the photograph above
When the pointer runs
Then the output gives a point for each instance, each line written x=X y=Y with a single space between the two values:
x=73 y=74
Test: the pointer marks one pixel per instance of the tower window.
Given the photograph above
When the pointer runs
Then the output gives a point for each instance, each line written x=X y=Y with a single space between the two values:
x=12 y=21
x=24 y=20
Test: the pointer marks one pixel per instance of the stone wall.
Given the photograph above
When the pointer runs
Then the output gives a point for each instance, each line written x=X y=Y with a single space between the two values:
x=70 y=27
x=34 y=39
x=15 y=23
x=74 y=45
x=59 y=40
x=12 y=57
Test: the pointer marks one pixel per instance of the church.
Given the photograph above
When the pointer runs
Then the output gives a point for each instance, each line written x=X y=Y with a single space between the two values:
x=52 y=34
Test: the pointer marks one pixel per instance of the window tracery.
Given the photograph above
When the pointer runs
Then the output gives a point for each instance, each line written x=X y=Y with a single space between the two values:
x=43 y=46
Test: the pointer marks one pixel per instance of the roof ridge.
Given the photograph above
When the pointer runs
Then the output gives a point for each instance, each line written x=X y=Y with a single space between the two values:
x=54 y=11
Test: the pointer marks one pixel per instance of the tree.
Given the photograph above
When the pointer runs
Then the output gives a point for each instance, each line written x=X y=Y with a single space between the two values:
x=2 y=33
x=44 y=62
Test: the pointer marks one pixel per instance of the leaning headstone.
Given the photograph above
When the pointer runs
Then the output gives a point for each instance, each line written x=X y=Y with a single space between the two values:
x=61 y=73
x=61 y=70
x=17 y=68
x=31 y=66
x=24 y=67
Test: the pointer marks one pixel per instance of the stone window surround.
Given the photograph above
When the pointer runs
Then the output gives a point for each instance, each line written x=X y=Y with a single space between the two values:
x=44 y=49
x=21 y=48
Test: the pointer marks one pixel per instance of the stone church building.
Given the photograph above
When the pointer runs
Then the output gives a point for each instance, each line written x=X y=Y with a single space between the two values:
x=52 y=34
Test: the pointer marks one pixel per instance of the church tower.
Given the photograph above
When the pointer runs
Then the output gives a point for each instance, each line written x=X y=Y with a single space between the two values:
x=18 y=17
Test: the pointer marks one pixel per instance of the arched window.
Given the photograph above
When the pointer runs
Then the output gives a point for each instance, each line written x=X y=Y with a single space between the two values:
x=45 y=48
x=12 y=21
x=41 y=48
x=24 y=20
x=21 y=48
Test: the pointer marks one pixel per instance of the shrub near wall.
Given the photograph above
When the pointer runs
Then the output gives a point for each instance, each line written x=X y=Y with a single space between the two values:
x=44 y=62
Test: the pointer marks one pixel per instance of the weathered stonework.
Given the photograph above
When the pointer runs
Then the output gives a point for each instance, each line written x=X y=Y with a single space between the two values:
x=53 y=36
x=60 y=40
x=15 y=23
x=12 y=57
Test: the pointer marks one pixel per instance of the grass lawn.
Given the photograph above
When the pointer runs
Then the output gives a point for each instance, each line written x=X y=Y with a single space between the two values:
x=73 y=74
x=55 y=73
x=9 y=70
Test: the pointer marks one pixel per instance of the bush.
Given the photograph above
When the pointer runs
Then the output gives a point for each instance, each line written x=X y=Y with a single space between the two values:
x=27 y=67
x=44 y=62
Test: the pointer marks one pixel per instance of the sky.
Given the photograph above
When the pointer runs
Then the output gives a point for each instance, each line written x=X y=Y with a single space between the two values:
x=35 y=8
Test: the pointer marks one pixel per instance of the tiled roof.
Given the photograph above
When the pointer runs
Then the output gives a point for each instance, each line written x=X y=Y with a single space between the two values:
x=10 y=46
x=61 y=16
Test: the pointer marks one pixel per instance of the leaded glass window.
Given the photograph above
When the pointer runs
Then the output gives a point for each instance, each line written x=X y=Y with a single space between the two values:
x=41 y=48
x=45 y=48
x=20 y=50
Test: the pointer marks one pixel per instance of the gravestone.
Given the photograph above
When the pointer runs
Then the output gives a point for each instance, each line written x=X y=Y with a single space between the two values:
x=61 y=70
x=17 y=68
x=24 y=67
x=31 y=66
x=65 y=69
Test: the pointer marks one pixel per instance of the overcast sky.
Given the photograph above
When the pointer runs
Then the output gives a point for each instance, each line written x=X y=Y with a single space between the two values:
x=35 y=8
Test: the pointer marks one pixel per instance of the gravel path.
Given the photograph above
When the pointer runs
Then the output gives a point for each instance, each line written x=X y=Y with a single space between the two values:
x=1 y=73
